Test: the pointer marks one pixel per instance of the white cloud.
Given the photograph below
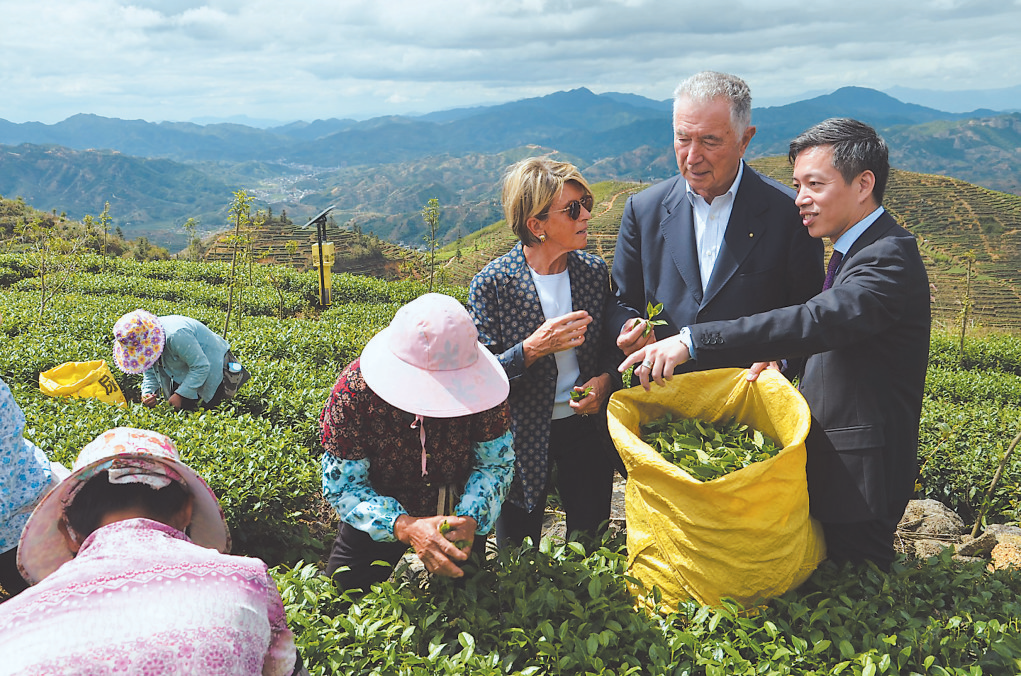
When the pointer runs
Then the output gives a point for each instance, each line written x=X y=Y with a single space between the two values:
x=181 y=59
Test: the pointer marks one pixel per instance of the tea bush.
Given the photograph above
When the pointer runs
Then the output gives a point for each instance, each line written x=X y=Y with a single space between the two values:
x=557 y=609
x=970 y=414
x=259 y=451
x=560 y=610
x=995 y=352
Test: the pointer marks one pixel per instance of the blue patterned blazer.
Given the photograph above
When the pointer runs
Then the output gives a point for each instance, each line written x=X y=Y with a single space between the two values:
x=504 y=304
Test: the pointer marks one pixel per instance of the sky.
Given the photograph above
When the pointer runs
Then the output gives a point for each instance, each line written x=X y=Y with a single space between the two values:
x=286 y=60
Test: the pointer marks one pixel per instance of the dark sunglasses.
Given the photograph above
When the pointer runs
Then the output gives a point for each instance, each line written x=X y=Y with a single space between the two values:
x=573 y=207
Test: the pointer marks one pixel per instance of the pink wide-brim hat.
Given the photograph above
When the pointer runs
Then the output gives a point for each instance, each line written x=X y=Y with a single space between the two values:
x=124 y=450
x=138 y=341
x=429 y=361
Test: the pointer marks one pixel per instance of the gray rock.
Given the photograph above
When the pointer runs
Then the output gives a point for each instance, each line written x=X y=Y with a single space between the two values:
x=980 y=546
x=926 y=548
x=1004 y=532
x=931 y=517
x=968 y=559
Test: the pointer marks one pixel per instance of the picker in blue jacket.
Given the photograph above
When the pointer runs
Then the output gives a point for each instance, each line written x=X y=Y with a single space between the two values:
x=179 y=356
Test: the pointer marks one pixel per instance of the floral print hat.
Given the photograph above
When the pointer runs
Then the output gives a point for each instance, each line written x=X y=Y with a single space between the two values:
x=429 y=361
x=138 y=341
x=128 y=455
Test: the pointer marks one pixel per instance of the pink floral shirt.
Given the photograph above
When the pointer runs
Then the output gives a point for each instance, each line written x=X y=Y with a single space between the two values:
x=140 y=598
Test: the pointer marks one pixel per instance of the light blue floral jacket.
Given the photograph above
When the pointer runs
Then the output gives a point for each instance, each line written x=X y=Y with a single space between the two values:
x=25 y=474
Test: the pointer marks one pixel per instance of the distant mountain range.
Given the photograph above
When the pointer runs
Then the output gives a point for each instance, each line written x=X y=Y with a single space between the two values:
x=1006 y=99
x=380 y=172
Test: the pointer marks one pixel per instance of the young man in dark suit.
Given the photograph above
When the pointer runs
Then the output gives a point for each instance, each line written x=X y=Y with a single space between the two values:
x=717 y=241
x=866 y=337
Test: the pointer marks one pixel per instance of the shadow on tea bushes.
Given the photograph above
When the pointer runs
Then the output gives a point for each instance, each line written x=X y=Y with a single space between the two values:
x=267 y=482
x=546 y=611
x=560 y=610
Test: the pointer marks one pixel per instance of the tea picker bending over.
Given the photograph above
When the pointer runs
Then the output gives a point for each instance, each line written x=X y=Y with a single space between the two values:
x=416 y=432
x=128 y=560
x=178 y=355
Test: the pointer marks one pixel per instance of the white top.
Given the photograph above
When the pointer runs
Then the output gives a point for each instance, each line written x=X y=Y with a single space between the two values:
x=555 y=298
x=711 y=224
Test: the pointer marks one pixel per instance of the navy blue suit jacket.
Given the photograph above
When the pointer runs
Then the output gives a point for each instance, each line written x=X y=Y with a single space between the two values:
x=768 y=260
x=867 y=343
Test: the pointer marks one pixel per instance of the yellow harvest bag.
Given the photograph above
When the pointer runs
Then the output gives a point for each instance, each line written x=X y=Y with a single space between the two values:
x=88 y=379
x=746 y=535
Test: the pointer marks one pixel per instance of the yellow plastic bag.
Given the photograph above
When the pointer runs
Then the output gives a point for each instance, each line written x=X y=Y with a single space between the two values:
x=746 y=535
x=87 y=379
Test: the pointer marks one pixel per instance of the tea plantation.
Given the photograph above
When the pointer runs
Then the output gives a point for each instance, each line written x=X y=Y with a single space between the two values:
x=556 y=609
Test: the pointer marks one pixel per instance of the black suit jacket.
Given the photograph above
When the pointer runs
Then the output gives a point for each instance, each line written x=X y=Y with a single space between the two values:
x=867 y=343
x=768 y=260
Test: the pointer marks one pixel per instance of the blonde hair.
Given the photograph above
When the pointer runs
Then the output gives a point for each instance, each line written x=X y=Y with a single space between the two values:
x=529 y=188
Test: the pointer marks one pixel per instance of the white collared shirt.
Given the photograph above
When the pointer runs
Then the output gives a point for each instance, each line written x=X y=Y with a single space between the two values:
x=711 y=224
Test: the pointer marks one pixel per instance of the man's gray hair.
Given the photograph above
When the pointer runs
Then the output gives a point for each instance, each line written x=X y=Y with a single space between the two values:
x=708 y=85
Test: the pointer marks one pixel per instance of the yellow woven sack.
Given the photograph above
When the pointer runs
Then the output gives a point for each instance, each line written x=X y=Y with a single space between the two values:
x=87 y=379
x=746 y=535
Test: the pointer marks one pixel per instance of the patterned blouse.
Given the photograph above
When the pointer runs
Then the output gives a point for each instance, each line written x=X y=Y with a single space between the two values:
x=140 y=598
x=25 y=475
x=504 y=304
x=372 y=468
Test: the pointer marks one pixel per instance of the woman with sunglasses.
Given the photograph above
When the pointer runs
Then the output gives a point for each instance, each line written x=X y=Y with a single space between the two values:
x=539 y=308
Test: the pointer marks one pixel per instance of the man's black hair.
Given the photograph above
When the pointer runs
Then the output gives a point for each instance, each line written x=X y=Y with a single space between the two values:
x=856 y=148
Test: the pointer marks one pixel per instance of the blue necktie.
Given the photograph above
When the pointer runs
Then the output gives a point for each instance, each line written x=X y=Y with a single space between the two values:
x=831 y=269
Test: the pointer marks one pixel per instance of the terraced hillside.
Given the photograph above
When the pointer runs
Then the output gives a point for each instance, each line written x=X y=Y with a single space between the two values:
x=355 y=253
x=483 y=246
x=954 y=220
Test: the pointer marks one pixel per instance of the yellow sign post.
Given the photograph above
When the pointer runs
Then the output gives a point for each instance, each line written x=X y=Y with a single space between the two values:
x=326 y=260
x=322 y=255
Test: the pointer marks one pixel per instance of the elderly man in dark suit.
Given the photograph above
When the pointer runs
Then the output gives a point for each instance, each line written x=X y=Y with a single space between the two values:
x=866 y=336
x=718 y=240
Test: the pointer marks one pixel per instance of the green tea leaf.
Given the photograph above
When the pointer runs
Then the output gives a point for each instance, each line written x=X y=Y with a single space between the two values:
x=704 y=450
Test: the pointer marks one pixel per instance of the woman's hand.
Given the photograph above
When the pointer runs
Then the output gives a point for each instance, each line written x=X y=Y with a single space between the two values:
x=602 y=388
x=556 y=335
x=176 y=401
x=657 y=361
x=436 y=552
x=149 y=400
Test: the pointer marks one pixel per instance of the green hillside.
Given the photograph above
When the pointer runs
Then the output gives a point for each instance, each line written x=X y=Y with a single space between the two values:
x=953 y=219
x=554 y=609
x=951 y=216
x=148 y=197
x=281 y=242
